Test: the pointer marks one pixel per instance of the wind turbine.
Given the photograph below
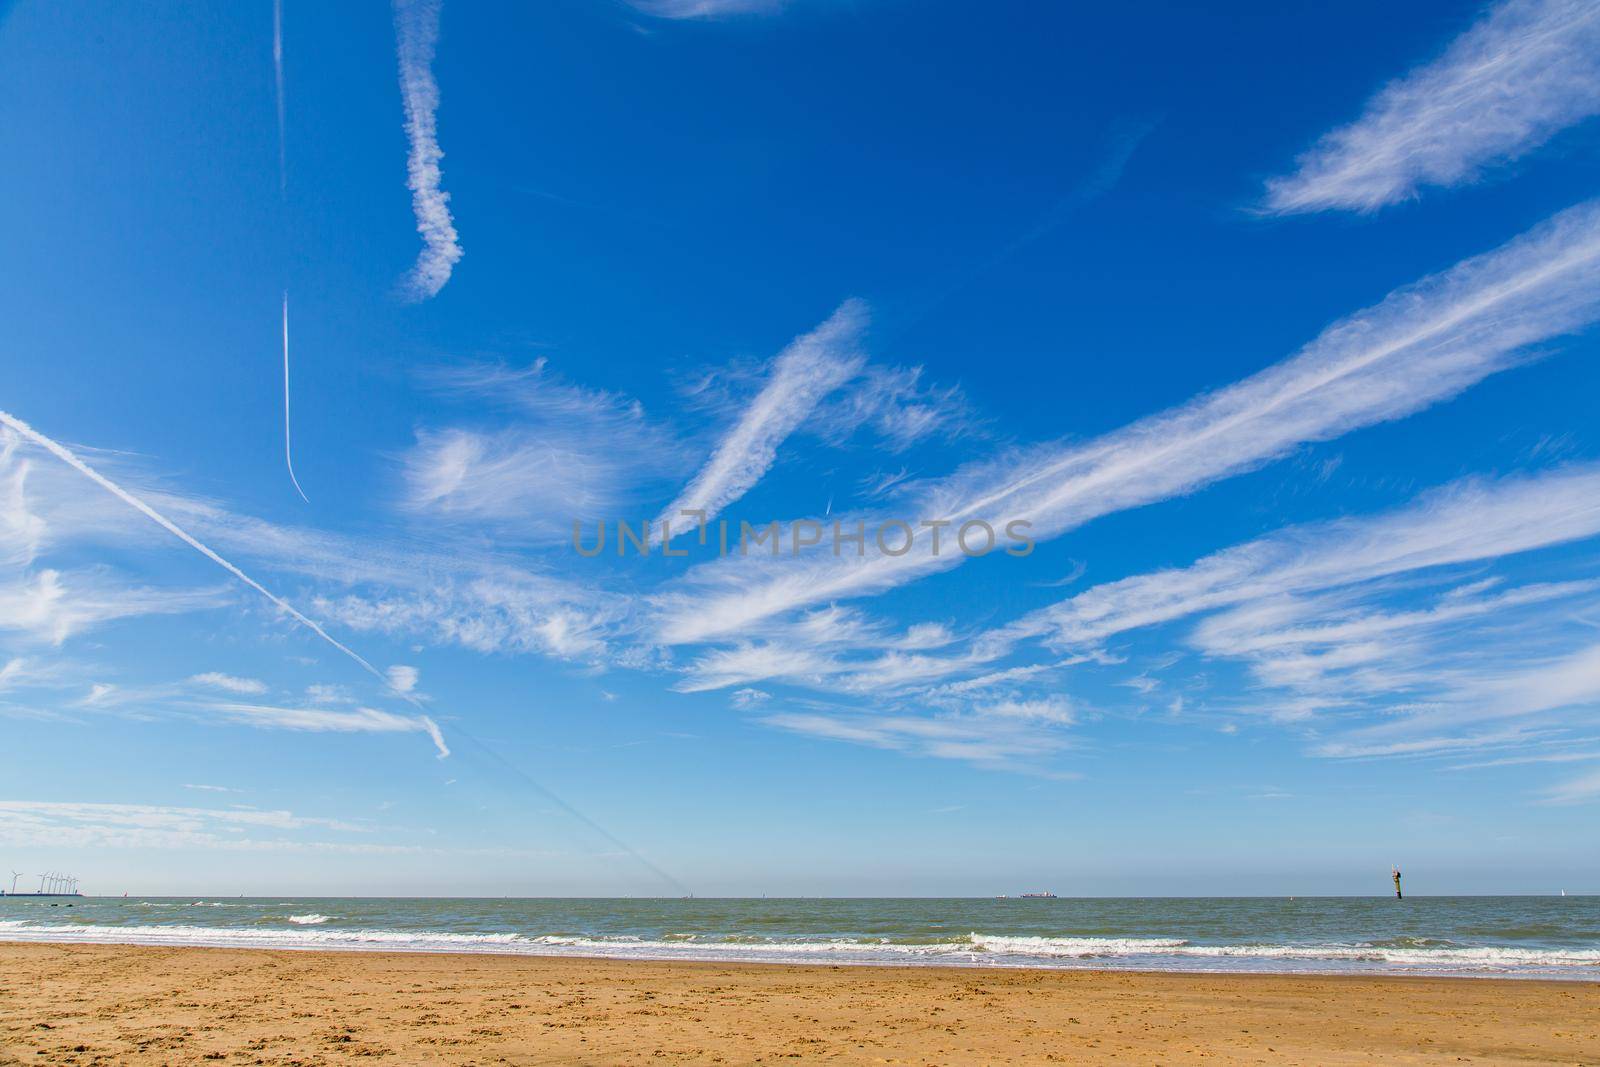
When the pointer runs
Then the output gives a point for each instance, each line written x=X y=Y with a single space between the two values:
x=14 y=876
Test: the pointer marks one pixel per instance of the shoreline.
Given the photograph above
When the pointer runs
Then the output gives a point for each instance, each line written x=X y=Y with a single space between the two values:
x=1092 y=965
x=1086 y=963
x=99 y=1003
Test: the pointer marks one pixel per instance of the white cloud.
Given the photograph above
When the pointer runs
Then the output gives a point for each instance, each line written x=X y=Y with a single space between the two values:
x=745 y=663
x=21 y=531
x=150 y=816
x=324 y=720
x=1424 y=746
x=572 y=454
x=827 y=657
x=1473 y=519
x=143 y=826
x=1423 y=344
x=997 y=742
x=11 y=672
x=1526 y=70
x=51 y=605
x=531 y=483
x=1576 y=791
x=416 y=25
x=814 y=365
x=538 y=392
x=509 y=611
x=429 y=586
x=1055 y=709
x=72 y=460
x=705 y=9
x=1480 y=682
x=893 y=403
x=1574 y=679
x=403 y=679
x=743 y=699
x=229 y=683
x=1329 y=623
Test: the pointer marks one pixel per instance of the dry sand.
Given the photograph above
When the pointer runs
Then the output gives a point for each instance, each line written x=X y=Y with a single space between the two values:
x=121 y=1005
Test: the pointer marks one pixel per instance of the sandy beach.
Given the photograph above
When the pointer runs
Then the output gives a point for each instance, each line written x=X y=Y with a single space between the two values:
x=95 y=1004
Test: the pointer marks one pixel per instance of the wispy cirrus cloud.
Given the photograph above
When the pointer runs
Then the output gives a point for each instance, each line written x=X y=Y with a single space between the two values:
x=1578 y=790
x=1474 y=519
x=1526 y=70
x=1423 y=344
x=1339 y=649
x=1009 y=736
x=50 y=605
x=75 y=462
x=229 y=683
x=96 y=825
x=1496 y=700
x=561 y=453
x=325 y=720
x=706 y=9
x=416 y=26
x=896 y=407
x=21 y=531
x=491 y=611
x=811 y=367
x=539 y=481
x=1345 y=623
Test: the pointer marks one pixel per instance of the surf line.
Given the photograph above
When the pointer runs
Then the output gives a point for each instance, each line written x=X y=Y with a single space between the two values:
x=71 y=459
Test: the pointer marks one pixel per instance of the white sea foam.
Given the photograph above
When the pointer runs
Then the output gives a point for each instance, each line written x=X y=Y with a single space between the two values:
x=1074 y=946
x=976 y=949
x=252 y=937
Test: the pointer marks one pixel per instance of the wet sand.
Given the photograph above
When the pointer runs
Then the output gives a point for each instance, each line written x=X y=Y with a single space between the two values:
x=105 y=1004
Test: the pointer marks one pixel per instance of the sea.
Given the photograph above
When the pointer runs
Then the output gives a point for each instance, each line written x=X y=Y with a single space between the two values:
x=1521 y=936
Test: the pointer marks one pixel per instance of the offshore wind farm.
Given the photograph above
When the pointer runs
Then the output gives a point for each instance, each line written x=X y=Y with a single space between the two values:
x=51 y=884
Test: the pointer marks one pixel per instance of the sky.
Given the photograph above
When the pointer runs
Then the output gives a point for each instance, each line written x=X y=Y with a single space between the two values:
x=338 y=337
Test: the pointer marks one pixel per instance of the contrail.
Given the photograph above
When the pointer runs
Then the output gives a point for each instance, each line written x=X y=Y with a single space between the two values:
x=66 y=456
x=283 y=192
x=277 y=70
x=416 y=25
x=288 y=452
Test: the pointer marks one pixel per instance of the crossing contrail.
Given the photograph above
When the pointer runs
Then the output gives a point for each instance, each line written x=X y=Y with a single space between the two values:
x=66 y=456
x=288 y=451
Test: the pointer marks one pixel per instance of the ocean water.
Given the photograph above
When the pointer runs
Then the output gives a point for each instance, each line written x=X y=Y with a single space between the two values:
x=1545 y=937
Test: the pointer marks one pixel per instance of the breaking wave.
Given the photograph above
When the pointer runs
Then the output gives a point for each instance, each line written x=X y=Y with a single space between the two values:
x=975 y=949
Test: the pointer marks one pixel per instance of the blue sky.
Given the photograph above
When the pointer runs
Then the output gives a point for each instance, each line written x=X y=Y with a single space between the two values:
x=1278 y=333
